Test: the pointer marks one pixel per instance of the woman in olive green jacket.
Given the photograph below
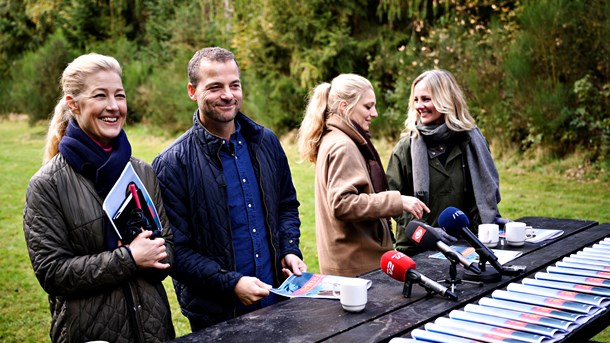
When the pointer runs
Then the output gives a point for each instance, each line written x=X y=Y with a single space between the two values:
x=100 y=288
x=442 y=158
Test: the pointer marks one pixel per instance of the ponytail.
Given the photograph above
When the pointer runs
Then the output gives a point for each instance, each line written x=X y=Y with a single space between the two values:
x=57 y=129
x=312 y=127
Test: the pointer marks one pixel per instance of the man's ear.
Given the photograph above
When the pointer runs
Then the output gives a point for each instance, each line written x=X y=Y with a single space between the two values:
x=191 y=90
x=71 y=103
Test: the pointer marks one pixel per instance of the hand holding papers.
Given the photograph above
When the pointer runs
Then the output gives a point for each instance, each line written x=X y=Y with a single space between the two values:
x=130 y=207
x=310 y=285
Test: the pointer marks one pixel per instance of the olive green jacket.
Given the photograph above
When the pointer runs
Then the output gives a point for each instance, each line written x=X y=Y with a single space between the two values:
x=94 y=294
x=450 y=185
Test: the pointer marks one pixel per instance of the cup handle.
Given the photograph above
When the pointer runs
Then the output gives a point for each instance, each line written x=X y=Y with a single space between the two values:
x=336 y=293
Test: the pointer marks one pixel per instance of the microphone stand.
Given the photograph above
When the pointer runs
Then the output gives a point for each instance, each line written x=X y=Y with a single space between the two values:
x=486 y=275
x=410 y=278
x=454 y=280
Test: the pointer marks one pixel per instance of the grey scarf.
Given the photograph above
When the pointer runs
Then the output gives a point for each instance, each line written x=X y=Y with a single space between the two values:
x=485 y=178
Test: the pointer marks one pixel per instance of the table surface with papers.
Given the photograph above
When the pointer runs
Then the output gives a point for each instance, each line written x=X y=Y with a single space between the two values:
x=389 y=314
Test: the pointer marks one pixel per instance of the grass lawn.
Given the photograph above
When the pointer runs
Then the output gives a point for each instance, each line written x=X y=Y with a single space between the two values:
x=24 y=311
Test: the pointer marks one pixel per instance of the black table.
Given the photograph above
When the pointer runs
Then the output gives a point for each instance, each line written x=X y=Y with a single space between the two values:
x=388 y=314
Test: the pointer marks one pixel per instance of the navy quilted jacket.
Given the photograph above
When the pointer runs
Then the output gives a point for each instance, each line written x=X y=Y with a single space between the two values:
x=195 y=196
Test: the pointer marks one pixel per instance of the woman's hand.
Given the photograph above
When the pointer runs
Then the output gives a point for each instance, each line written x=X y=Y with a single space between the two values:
x=147 y=253
x=414 y=206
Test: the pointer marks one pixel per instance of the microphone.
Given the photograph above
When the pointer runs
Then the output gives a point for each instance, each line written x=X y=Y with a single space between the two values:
x=424 y=235
x=402 y=268
x=456 y=223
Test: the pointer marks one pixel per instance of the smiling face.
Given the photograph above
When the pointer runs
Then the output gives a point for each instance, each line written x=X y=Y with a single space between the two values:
x=365 y=110
x=101 y=108
x=425 y=108
x=218 y=95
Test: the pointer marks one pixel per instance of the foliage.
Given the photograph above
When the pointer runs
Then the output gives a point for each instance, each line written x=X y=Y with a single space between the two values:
x=558 y=44
x=35 y=87
x=533 y=71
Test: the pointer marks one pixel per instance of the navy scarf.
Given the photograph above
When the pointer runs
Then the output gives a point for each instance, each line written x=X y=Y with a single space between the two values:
x=91 y=161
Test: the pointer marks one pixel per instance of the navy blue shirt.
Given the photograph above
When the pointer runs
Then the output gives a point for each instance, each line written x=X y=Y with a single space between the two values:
x=250 y=237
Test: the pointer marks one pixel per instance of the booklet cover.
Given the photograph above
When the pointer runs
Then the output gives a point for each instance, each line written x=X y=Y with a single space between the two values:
x=550 y=312
x=587 y=289
x=593 y=255
x=504 y=256
x=562 y=325
x=431 y=336
x=546 y=301
x=536 y=235
x=310 y=285
x=559 y=294
x=506 y=323
x=578 y=272
x=586 y=259
x=581 y=266
x=119 y=201
x=583 y=280
x=484 y=329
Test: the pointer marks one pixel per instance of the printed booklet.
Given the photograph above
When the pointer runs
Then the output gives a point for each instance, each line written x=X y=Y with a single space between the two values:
x=310 y=285
x=550 y=312
x=582 y=280
x=561 y=304
x=504 y=256
x=567 y=286
x=506 y=323
x=562 y=325
x=559 y=294
x=485 y=330
x=120 y=201
x=537 y=235
x=431 y=336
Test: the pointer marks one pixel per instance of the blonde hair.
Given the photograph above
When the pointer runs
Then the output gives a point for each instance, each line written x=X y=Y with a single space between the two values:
x=447 y=98
x=324 y=102
x=73 y=83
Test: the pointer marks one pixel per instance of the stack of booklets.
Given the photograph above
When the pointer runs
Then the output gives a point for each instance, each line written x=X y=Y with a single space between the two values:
x=544 y=308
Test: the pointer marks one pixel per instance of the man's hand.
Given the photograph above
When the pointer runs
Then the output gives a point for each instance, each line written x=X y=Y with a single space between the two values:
x=250 y=290
x=292 y=264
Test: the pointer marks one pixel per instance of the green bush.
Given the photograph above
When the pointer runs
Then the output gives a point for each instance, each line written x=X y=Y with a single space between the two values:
x=35 y=78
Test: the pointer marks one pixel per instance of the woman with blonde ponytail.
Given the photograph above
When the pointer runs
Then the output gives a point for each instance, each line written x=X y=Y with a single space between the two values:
x=99 y=287
x=352 y=199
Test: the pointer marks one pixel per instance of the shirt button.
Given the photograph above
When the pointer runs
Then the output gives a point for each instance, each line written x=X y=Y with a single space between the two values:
x=256 y=255
x=253 y=230
x=243 y=180
x=249 y=205
x=239 y=142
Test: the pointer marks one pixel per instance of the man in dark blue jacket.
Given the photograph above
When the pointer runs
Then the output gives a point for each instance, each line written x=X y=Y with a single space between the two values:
x=230 y=200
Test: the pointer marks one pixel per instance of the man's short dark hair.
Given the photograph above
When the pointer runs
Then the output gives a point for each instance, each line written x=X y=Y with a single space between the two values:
x=213 y=54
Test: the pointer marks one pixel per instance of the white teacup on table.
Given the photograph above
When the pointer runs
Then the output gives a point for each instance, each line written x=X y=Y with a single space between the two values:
x=489 y=234
x=352 y=293
x=515 y=233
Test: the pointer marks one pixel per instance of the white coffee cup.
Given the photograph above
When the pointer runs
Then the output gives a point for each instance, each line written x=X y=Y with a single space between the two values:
x=352 y=293
x=489 y=234
x=515 y=233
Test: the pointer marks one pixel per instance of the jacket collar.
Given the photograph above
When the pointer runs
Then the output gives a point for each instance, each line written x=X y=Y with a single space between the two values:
x=337 y=122
x=252 y=131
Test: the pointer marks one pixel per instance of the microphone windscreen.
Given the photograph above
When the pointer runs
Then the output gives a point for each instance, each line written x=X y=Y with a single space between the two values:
x=420 y=234
x=453 y=220
x=395 y=264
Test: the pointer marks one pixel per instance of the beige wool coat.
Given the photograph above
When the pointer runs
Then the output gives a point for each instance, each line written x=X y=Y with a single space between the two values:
x=350 y=232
